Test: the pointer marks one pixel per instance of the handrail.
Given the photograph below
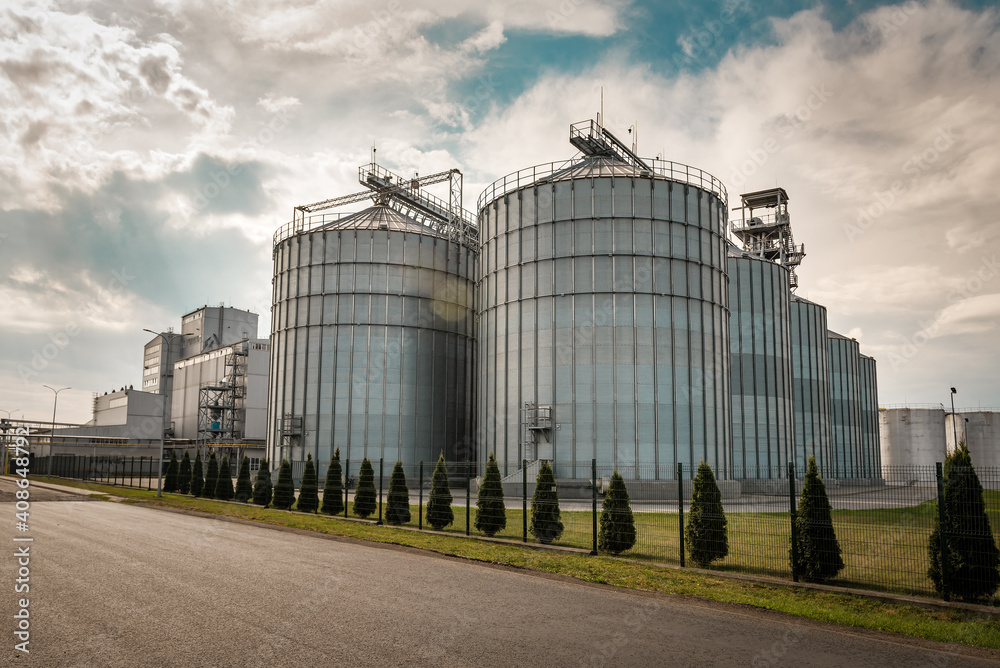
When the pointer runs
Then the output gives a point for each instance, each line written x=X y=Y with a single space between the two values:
x=674 y=171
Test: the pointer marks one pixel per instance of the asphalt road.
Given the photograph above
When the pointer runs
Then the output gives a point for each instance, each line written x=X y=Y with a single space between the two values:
x=122 y=585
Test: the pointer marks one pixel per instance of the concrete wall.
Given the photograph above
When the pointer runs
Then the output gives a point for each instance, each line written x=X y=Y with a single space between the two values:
x=914 y=438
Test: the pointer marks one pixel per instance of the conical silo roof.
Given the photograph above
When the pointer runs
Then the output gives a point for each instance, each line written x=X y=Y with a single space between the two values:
x=594 y=166
x=380 y=217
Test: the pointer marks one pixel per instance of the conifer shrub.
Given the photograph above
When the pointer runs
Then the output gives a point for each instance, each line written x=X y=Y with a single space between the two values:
x=170 y=479
x=817 y=554
x=224 y=484
x=284 y=489
x=617 y=533
x=263 y=489
x=309 y=491
x=244 y=486
x=973 y=558
x=184 y=474
x=397 y=508
x=211 y=477
x=333 y=489
x=439 y=512
x=197 y=475
x=365 y=495
x=491 y=514
x=705 y=534
x=546 y=524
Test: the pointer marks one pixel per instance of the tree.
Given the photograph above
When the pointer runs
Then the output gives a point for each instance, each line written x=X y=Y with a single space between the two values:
x=333 y=490
x=309 y=491
x=184 y=476
x=397 y=508
x=817 y=552
x=617 y=532
x=284 y=489
x=705 y=533
x=244 y=486
x=224 y=485
x=439 y=512
x=973 y=558
x=211 y=477
x=491 y=514
x=170 y=479
x=262 y=490
x=545 y=522
x=197 y=475
x=365 y=501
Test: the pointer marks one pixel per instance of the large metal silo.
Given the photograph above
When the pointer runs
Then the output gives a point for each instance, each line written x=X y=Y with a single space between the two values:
x=761 y=365
x=871 y=452
x=603 y=326
x=373 y=333
x=845 y=407
x=810 y=383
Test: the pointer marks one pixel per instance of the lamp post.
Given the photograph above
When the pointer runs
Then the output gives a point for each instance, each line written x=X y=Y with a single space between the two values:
x=163 y=404
x=52 y=434
x=954 y=426
x=7 y=425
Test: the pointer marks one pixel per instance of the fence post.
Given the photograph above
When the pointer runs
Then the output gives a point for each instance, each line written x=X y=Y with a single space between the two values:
x=593 y=510
x=420 y=509
x=131 y=472
x=943 y=533
x=149 y=481
x=791 y=514
x=347 y=478
x=381 y=477
x=524 y=500
x=468 y=496
x=680 y=507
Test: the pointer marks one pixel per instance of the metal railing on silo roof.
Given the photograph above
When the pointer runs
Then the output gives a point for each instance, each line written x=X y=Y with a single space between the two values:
x=673 y=171
x=306 y=224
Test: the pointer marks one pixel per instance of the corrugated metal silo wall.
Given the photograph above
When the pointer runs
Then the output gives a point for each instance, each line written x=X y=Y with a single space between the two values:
x=605 y=298
x=810 y=384
x=373 y=346
x=871 y=449
x=761 y=359
x=845 y=408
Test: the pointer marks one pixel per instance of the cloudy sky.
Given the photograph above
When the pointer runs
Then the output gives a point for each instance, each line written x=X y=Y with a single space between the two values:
x=148 y=151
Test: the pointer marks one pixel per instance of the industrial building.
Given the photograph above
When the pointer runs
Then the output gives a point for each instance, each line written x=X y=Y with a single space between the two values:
x=914 y=438
x=594 y=308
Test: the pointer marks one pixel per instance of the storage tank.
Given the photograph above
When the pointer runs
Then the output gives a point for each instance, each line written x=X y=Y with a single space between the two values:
x=810 y=383
x=761 y=365
x=372 y=339
x=603 y=326
x=981 y=432
x=871 y=455
x=912 y=441
x=845 y=406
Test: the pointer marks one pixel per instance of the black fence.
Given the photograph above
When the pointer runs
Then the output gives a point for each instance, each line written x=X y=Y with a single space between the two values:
x=888 y=529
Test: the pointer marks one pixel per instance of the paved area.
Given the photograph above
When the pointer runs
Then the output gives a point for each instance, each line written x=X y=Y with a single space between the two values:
x=115 y=584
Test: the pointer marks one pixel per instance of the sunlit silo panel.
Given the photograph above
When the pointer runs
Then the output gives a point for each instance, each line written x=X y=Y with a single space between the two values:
x=810 y=383
x=761 y=365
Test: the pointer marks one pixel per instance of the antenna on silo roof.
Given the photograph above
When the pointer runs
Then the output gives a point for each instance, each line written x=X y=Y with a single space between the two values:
x=600 y=116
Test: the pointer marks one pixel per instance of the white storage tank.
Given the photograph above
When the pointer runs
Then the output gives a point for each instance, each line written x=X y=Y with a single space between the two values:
x=912 y=441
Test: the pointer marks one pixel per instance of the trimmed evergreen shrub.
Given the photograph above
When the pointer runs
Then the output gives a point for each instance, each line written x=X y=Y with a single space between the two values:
x=617 y=532
x=224 y=485
x=184 y=475
x=545 y=522
x=973 y=558
x=309 y=491
x=439 y=512
x=170 y=479
x=397 y=507
x=262 y=489
x=244 y=486
x=365 y=496
x=211 y=477
x=197 y=475
x=817 y=550
x=705 y=534
x=491 y=514
x=284 y=489
x=333 y=490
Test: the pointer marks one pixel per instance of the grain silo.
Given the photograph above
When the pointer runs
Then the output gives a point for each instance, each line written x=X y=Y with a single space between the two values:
x=603 y=328
x=845 y=407
x=811 y=384
x=871 y=454
x=373 y=326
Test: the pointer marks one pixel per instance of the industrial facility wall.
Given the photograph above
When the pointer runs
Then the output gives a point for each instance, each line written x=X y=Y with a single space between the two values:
x=605 y=298
x=810 y=383
x=911 y=437
x=845 y=408
x=761 y=364
x=372 y=346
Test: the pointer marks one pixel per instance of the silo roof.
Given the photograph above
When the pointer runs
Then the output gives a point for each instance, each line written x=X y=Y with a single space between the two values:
x=597 y=165
x=380 y=217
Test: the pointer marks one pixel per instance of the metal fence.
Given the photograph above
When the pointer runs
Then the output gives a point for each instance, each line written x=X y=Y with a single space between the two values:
x=883 y=525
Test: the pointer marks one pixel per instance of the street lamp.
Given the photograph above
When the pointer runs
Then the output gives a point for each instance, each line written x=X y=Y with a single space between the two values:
x=954 y=427
x=52 y=434
x=163 y=404
x=6 y=425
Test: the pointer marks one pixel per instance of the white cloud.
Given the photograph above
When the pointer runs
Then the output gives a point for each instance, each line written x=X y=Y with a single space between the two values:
x=280 y=105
